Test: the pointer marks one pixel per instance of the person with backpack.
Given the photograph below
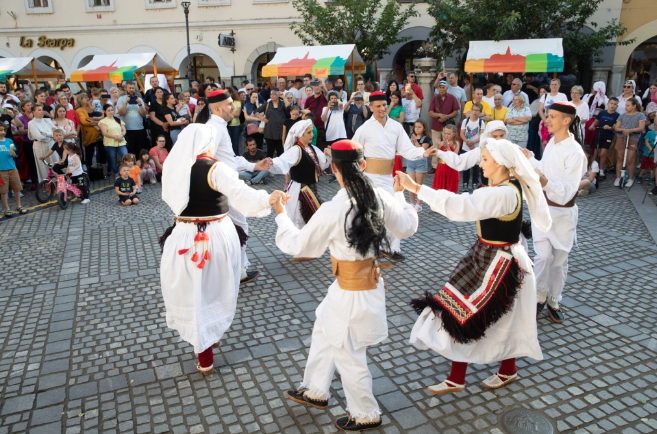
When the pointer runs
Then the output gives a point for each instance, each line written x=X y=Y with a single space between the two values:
x=471 y=130
x=357 y=113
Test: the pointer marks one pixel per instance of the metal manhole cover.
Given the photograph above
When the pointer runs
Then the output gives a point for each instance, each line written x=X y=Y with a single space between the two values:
x=521 y=421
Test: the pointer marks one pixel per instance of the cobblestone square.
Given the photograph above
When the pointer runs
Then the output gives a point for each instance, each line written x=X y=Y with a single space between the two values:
x=85 y=347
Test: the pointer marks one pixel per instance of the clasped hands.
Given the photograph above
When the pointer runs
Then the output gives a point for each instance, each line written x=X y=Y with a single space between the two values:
x=278 y=200
x=263 y=165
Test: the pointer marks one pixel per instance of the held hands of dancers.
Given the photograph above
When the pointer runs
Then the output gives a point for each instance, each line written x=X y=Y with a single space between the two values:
x=278 y=200
x=327 y=151
x=263 y=165
x=403 y=181
x=431 y=152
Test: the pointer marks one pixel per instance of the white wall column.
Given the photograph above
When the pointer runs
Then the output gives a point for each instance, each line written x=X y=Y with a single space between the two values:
x=426 y=74
x=615 y=86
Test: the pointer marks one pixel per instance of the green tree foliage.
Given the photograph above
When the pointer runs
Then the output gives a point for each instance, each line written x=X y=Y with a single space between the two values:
x=460 y=21
x=369 y=24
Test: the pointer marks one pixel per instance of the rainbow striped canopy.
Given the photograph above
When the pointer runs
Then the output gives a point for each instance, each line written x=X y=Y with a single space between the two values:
x=519 y=55
x=22 y=67
x=320 y=61
x=119 y=67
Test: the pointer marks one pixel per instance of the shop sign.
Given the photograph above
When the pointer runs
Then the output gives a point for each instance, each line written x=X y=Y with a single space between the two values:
x=44 y=42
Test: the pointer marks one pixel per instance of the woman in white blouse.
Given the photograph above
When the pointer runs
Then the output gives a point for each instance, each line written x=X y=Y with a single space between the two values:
x=40 y=131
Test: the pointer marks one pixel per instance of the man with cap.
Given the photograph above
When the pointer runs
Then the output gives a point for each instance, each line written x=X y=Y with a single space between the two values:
x=382 y=138
x=560 y=170
x=217 y=113
x=443 y=109
x=352 y=316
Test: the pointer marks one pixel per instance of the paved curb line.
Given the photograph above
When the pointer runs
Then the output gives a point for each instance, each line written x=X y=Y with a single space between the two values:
x=647 y=210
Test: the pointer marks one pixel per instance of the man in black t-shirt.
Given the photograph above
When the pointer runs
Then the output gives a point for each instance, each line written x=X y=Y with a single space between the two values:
x=253 y=155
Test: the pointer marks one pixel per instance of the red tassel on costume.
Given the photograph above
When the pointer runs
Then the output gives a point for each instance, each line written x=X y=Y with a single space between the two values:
x=201 y=264
x=197 y=237
x=183 y=251
x=207 y=255
x=195 y=257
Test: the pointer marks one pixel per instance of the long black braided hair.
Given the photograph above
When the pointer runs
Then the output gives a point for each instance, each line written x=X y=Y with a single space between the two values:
x=367 y=231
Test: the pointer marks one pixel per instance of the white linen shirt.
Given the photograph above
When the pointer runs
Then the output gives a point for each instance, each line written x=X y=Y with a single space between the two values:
x=563 y=164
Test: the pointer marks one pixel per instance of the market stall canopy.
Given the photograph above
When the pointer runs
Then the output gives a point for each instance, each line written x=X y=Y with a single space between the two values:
x=519 y=55
x=320 y=61
x=22 y=67
x=119 y=67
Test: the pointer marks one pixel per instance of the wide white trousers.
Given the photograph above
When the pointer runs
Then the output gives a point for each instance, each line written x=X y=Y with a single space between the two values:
x=322 y=362
x=551 y=268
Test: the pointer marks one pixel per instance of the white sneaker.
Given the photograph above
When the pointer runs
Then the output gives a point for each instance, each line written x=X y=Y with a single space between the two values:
x=617 y=182
x=583 y=192
x=86 y=201
x=629 y=183
x=153 y=181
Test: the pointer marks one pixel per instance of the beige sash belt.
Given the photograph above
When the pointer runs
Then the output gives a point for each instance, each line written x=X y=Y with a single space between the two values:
x=357 y=275
x=379 y=166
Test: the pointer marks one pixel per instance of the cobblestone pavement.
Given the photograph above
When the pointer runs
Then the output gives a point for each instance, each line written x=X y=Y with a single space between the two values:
x=85 y=347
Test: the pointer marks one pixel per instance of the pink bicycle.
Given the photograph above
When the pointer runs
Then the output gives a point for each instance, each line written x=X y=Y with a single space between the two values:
x=62 y=185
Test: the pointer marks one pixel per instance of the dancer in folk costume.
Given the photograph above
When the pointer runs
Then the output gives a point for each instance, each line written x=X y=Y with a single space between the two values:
x=445 y=177
x=200 y=266
x=560 y=170
x=381 y=138
x=352 y=316
x=304 y=163
x=460 y=162
x=485 y=311
x=217 y=113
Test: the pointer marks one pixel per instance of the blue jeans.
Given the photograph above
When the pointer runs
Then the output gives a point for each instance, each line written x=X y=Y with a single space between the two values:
x=174 y=135
x=234 y=133
x=114 y=156
x=254 y=177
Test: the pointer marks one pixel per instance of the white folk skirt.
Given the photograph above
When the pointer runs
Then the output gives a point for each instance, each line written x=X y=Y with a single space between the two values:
x=514 y=335
x=200 y=303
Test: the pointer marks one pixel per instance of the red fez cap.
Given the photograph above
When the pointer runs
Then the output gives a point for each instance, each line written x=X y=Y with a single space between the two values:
x=378 y=96
x=347 y=150
x=218 y=96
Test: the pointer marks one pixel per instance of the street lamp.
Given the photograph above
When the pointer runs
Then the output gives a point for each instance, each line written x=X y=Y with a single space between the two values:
x=185 y=6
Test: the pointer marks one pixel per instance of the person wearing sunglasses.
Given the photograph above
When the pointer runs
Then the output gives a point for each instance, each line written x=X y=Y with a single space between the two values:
x=628 y=92
x=412 y=79
x=200 y=105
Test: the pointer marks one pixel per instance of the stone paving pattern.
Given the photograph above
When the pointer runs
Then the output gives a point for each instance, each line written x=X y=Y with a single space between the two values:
x=85 y=348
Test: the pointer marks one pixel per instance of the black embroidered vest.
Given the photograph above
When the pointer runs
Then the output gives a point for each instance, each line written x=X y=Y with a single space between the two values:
x=305 y=171
x=505 y=229
x=204 y=201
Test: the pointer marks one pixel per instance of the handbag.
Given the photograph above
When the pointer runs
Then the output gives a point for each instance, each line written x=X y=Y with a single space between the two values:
x=263 y=124
x=448 y=121
x=252 y=129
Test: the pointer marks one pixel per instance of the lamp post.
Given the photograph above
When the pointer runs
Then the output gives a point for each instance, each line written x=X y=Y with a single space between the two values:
x=185 y=6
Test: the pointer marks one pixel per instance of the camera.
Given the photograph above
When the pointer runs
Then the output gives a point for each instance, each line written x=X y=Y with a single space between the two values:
x=314 y=83
x=358 y=98
x=132 y=99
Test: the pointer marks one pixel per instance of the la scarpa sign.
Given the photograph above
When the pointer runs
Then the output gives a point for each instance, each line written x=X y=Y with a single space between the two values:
x=44 y=42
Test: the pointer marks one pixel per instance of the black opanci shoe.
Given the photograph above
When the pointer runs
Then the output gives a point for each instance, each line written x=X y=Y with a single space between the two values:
x=348 y=424
x=394 y=256
x=298 y=396
x=250 y=277
x=556 y=315
x=539 y=309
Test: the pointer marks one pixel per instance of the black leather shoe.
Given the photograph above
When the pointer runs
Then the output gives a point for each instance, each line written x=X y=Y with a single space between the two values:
x=298 y=396
x=556 y=315
x=539 y=309
x=348 y=424
x=394 y=256
x=250 y=277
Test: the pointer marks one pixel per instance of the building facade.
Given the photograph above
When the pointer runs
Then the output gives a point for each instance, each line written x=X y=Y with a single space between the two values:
x=67 y=33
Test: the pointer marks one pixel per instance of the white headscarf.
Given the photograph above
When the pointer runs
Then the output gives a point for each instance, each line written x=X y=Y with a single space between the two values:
x=633 y=86
x=194 y=140
x=295 y=132
x=490 y=127
x=511 y=157
x=600 y=89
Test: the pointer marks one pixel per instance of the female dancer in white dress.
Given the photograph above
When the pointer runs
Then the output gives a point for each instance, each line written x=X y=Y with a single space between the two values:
x=201 y=261
x=486 y=311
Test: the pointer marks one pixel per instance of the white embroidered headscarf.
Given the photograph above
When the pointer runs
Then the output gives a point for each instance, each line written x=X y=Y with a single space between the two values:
x=295 y=132
x=510 y=156
x=490 y=127
x=194 y=140
x=599 y=89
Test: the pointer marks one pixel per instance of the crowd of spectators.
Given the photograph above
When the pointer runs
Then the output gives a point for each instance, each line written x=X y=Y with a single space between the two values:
x=110 y=124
